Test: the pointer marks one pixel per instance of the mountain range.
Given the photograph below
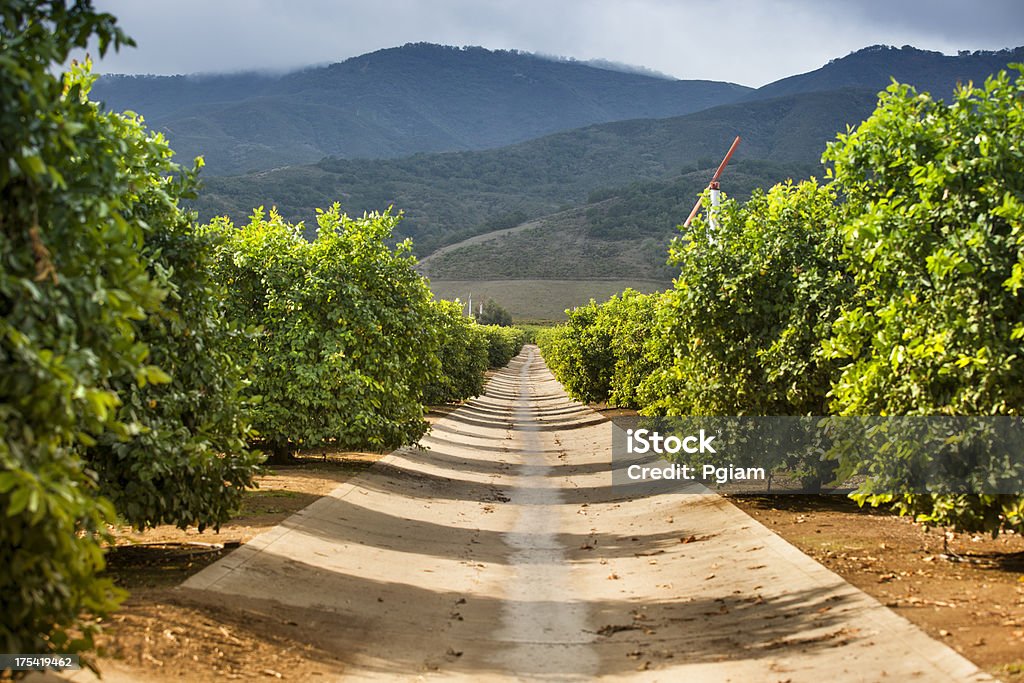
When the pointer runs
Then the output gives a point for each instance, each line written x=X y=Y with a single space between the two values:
x=395 y=102
x=452 y=196
x=508 y=165
x=434 y=98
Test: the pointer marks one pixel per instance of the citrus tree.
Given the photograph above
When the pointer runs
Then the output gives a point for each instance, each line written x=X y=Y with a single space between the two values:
x=740 y=333
x=73 y=284
x=462 y=352
x=116 y=384
x=579 y=354
x=345 y=343
x=600 y=354
x=503 y=343
x=187 y=460
x=935 y=244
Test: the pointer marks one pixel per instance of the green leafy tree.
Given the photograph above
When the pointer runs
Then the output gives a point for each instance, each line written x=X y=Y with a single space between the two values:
x=936 y=247
x=600 y=354
x=493 y=314
x=579 y=354
x=346 y=346
x=187 y=462
x=503 y=344
x=463 y=355
x=740 y=333
x=73 y=285
x=116 y=383
x=629 y=319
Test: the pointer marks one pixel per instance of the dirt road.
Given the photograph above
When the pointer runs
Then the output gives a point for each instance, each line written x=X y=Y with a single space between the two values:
x=425 y=262
x=501 y=552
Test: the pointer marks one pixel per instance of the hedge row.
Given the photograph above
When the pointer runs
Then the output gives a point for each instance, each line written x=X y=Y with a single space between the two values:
x=118 y=399
x=503 y=344
x=895 y=289
x=467 y=351
x=146 y=358
x=343 y=341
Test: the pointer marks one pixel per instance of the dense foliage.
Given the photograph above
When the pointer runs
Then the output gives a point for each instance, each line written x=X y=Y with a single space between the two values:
x=187 y=461
x=503 y=344
x=345 y=348
x=630 y=319
x=96 y=367
x=754 y=299
x=894 y=290
x=579 y=354
x=494 y=314
x=467 y=350
x=463 y=352
x=69 y=299
x=937 y=251
x=601 y=354
x=936 y=248
x=127 y=334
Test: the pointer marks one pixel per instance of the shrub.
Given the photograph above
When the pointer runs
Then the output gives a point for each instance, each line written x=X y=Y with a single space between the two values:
x=579 y=355
x=740 y=334
x=493 y=314
x=73 y=283
x=936 y=249
x=188 y=461
x=463 y=354
x=628 y=320
x=600 y=354
x=347 y=346
x=503 y=344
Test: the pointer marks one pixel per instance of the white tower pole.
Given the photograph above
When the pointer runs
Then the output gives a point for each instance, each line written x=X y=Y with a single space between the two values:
x=716 y=201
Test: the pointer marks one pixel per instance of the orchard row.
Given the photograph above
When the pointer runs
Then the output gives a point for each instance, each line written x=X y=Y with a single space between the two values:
x=893 y=289
x=147 y=360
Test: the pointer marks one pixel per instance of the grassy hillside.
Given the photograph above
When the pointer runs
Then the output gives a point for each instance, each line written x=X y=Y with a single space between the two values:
x=538 y=300
x=395 y=102
x=619 y=233
x=450 y=197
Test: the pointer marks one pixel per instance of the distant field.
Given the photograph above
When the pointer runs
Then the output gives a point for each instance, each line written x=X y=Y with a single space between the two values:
x=538 y=299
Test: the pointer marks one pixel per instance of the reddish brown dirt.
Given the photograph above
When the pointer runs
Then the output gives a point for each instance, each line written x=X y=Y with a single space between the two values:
x=975 y=603
x=161 y=635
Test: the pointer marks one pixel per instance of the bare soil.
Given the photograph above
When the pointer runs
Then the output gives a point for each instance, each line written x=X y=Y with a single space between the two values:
x=969 y=594
x=161 y=634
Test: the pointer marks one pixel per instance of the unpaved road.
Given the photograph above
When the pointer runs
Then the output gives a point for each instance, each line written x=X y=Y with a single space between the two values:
x=425 y=262
x=502 y=553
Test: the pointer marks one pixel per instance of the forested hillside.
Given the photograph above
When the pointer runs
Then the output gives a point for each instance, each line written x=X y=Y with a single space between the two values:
x=875 y=67
x=449 y=197
x=620 y=232
x=395 y=102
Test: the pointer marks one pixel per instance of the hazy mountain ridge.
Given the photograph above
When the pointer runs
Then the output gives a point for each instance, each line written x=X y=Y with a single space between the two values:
x=608 y=183
x=396 y=102
x=875 y=66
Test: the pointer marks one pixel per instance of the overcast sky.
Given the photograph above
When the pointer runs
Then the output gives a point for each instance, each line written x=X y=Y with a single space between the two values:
x=752 y=42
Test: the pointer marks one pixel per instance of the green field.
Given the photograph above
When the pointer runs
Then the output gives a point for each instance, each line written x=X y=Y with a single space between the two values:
x=538 y=299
